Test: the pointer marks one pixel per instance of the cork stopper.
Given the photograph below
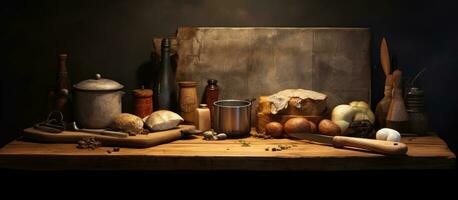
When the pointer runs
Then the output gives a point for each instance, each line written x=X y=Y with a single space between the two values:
x=187 y=84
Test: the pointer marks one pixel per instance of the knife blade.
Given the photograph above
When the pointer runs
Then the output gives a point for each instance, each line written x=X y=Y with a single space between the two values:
x=378 y=146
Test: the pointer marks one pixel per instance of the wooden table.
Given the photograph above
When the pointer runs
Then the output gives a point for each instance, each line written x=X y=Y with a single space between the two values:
x=429 y=152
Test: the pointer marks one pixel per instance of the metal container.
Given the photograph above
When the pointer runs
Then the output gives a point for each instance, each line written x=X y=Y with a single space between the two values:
x=232 y=117
x=97 y=101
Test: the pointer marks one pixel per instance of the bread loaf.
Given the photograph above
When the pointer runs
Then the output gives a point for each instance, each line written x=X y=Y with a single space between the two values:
x=307 y=107
x=163 y=120
x=262 y=119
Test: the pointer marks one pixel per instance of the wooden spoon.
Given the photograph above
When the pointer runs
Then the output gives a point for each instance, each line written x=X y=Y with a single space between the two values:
x=385 y=57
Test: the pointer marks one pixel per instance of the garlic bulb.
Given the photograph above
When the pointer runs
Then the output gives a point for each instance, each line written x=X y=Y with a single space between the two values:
x=388 y=134
x=344 y=114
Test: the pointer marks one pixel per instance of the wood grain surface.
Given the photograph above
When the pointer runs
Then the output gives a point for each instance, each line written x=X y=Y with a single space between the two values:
x=428 y=152
x=138 y=141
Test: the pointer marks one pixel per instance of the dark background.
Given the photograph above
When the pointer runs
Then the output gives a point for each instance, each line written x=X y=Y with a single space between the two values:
x=114 y=38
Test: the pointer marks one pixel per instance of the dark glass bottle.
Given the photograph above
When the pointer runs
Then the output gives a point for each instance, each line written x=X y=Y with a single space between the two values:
x=62 y=91
x=165 y=96
x=211 y=94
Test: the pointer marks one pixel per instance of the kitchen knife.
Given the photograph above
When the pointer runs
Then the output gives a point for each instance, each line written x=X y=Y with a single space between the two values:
x=379 y=146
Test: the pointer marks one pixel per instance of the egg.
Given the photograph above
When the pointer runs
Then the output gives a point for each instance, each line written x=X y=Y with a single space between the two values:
x=274 y=129
x=297 y=125
x=328 y=127
x=388 y=134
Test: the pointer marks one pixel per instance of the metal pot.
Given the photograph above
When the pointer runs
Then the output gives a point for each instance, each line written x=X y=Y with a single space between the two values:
x=232 y=117
x=97 y=101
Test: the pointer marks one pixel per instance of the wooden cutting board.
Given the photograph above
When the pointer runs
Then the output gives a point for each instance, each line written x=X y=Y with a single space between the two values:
x=138 y=141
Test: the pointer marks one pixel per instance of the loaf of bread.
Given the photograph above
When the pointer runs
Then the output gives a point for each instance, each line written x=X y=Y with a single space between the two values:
x=306 y=107
x=162 y=120
x=262 y=119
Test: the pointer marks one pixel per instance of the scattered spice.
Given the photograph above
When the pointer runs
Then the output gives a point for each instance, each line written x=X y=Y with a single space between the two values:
x=244 y=143
x=284 y=147
x=261 y=136
x=88 y=143
x=280 y=147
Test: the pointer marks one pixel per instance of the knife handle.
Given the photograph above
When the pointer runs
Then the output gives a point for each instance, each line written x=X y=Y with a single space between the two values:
x=379 y=146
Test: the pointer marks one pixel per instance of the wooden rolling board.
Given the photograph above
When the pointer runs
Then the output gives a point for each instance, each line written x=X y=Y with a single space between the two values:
x=138 y=141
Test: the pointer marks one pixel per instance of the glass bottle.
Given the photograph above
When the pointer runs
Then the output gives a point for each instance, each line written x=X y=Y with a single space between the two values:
x=211 y=94
x=165 y=96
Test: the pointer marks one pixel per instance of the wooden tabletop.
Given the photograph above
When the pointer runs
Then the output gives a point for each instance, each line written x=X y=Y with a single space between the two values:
x=429 y=152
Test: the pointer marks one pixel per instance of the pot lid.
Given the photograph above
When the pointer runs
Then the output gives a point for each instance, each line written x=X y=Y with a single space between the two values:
x=98 y=84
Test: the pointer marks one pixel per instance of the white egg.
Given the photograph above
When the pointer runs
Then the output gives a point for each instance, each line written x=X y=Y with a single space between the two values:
x=388 y=134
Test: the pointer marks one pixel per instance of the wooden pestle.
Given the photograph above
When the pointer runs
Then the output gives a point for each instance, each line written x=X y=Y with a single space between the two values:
x=381 y=111
x=397 y=116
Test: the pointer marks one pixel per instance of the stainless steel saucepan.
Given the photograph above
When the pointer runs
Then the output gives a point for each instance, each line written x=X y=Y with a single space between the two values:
x=232 y=117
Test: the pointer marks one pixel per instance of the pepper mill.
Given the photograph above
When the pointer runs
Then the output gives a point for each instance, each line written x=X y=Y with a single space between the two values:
x=188 y=100
x=143 y=102
x=60 y=96
x=211 y=95
x=397 y=117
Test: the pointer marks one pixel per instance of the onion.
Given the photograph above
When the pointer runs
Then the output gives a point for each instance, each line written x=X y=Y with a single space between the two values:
x=274 y=129
x=328 y=127
x=297 y=125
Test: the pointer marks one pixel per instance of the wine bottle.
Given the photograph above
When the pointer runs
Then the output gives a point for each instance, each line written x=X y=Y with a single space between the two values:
x=165 y=96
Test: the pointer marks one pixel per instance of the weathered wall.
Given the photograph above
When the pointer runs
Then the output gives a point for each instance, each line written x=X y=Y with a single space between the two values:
x=250 y=62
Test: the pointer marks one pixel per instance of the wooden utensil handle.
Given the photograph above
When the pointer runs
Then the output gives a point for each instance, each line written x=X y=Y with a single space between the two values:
x=379 y=146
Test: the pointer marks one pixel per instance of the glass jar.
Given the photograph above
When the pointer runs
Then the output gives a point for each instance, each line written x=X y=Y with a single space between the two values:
x=202 y=118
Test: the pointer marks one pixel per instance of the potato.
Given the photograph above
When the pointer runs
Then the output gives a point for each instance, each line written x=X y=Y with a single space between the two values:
x=274 y=129
x=297 y=125
x=328 y=127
